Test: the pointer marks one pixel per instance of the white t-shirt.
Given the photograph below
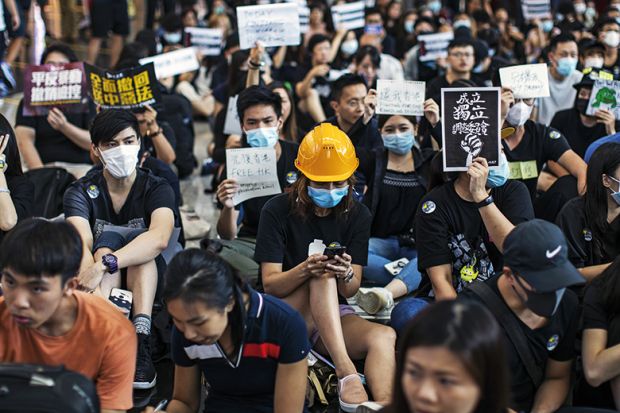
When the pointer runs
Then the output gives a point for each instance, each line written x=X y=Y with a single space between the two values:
x=562 y=96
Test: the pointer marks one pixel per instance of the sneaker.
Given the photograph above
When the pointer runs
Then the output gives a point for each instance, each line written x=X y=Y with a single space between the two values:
x=7 y=74
x=373 y=300
x=354 y=396
x=369 y=407
x=146 y=376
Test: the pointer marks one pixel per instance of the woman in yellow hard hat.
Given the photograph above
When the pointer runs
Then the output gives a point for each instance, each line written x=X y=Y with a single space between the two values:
x=312 y=244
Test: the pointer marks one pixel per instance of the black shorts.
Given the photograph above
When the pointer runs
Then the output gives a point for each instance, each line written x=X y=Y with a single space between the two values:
x=21 y=29
x=109 y=15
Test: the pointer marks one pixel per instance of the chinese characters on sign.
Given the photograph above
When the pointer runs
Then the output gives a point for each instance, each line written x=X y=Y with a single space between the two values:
x=471 y=126
x=125 y=89
x=50 y=86
x=400 y=97
x=526 y=81
x=255 y=171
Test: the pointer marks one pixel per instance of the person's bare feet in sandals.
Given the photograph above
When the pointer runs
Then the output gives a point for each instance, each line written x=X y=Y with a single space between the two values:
x=351 y=392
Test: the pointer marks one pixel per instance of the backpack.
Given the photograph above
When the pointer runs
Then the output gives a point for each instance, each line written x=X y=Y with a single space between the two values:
x=50 y=184
x=45 y=389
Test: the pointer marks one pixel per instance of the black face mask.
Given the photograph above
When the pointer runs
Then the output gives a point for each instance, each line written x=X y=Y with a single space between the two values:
x=581 y=105
x=542 y=304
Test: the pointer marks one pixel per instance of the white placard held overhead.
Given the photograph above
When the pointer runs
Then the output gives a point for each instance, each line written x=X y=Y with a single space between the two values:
x=173 y=63
x=526 y=81
x=255 y=170
x=400 y=97
x=536 y=9
x=350 y=16
x=208 y=41
x=272 y=24
x=232 y=125
x=433 y=46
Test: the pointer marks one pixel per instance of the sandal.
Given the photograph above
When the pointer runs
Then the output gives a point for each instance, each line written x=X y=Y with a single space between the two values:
x=350 y=405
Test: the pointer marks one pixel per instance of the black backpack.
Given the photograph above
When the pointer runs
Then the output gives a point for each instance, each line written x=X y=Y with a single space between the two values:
x=50 y=184
x=45 y=389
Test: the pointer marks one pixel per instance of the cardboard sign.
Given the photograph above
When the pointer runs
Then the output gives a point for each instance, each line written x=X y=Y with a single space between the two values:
x=124 y=89
x=62 y=86
x=255 y=170
x=232 y=124
x=605 y=95
x=400 y=97
x=272 y=24
x=471 y=126
x=536 y=9
x=350 y=16
x=434 y=46
x=207 y=41
x=173 y=63
x=526 y=81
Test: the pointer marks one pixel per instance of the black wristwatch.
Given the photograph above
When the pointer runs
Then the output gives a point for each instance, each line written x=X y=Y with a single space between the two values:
x=111 y=262
x=487 y=201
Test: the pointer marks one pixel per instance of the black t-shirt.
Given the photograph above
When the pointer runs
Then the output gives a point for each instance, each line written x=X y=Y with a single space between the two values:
x=363 y=136
x=578 y=136
x=284 y=236
x=585 y=247
x=538 y=145
x=22 y=194
x=449 y=230
x=321 y=84
x=89 y=198
x=555 y=340
x=52 y=145
x=287 y=175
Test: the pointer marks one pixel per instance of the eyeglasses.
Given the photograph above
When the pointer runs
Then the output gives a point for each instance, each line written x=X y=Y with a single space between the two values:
x=458 y=55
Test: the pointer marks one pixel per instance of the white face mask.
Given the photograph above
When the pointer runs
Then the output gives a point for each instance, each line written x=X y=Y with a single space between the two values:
x=518 y=114
x=612 y=39
x=120 y=161
x=595 y=62
x=349 y=47
x=580 y=8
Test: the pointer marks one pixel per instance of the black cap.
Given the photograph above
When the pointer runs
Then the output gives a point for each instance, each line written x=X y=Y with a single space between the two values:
x=590 y=75
x=586 y=45
x=536 y=251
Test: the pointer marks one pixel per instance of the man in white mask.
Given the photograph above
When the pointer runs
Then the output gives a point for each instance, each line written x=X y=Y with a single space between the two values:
x=608 y=33
x=126 y=219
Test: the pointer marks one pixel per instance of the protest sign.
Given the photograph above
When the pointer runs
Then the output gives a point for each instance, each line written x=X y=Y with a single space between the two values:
x=536 y=9
x=62 y=86
x=232 y=125
x=526 y=81
x=125 y=89
x=434 y=46
x=255 y=171
x=605 y=95
x=400 y=97
x=304 y=18
x=471 y=126
x=207 y=41
x=349 y=16
x=173 y=63
x=272 y=24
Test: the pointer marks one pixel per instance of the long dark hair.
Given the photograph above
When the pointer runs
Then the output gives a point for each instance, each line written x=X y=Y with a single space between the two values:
x=302 y=205
x=470 y=332
x=290 y=126
x=609 y=284
x=605 y=160
x=196 y=275
x=13 y=159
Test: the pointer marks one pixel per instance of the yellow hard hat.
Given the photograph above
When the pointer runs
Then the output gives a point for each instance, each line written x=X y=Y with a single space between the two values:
x=326 y=154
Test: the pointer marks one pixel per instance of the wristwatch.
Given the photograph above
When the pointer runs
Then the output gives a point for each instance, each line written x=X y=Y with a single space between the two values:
x=111 y=263
x=487 y=201
x=2 y=163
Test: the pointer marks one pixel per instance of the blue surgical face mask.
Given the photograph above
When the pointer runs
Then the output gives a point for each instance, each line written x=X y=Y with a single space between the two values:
x=566 y=66
x=478 y=68
x=262 y=137
x=615 y=194
x=399 y=143
x=498 y=177
x=434 y=6
x=219 y=10
x=327 y=198
x=409 y=25
x=172 y=38
x=547 y=26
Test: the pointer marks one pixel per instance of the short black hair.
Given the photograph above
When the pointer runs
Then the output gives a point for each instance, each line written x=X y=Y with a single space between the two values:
x=317 y=39
x=561 y=38
x=348 y=79
x=109 y=123
x=424 y=19
x=602 y=22
x=461 y=42
x=372 y=52
x=373 y=10
x=37 y=247
x=59 y=48
x=258 y=95
x=149 y=39
x=171 y=22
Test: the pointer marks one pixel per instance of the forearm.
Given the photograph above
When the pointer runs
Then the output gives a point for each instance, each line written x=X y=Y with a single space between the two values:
x=444 y=291
x=253 y=77
x=78 y=136
x=227 y=224
x=551 y=395
x=593 y=271
x=603 y=367
x=164 y=150
x=303 y=87
x=8 y=214
x=278 y=58
x=176 y=406
x=30 y=154
x=144 y=248
x=497 y=225
x=349 y=289
x=336 y=45
x=10 y=4
x=282 y=284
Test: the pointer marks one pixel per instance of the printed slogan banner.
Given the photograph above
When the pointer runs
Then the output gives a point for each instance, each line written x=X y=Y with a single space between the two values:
x=349 y=16
x=536 y=9
x=471 y=126
x=61 y=86
x=125 y=89
x=434 y=46
x=255 y=170
x=208 y=41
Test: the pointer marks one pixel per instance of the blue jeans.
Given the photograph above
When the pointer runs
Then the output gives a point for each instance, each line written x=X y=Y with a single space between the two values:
x=385 y=250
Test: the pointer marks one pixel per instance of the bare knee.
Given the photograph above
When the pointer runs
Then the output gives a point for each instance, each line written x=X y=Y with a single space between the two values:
x=381 y=338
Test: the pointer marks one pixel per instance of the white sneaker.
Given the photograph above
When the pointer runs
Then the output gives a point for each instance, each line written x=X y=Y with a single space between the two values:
x=373 y=300
x=369 y=407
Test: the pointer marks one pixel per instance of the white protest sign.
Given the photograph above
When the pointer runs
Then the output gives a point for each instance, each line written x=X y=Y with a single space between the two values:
x=207 y=41
x=433 y=46
x=272 y=24
x=605 y=95
x=350 y=16
x=400 y=97
x=536 y=9
x=173 y=63
x=526 y=81
x=232 y=125
x=255 y=170
x=304 y=18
